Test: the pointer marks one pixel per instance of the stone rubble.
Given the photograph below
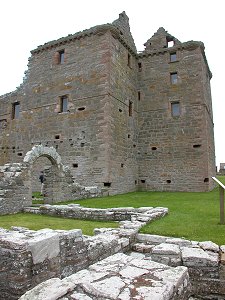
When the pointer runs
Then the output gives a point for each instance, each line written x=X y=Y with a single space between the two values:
x=118 y=277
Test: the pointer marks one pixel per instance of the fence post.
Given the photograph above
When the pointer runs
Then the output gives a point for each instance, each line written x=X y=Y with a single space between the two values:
x=221 y=205
x=221 y=188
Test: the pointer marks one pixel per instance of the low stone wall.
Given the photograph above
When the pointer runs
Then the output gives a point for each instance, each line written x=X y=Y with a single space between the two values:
x=205 y=261
x=28 y=258
x=133 y=217
x=118 y=277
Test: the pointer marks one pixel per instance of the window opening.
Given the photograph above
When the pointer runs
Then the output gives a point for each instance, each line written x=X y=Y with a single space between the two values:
x=197 y=146
x=130 y=108
x=175 y=109
x=173 y=78
x=139 y=95
x=168 y=181
x=57 y=136
x=170 y=43
x=142 y=181
x=122 y=165
x=75 y=165
x=16 y=110
x=108 y=184
x=129 y=60
x=81 y=108
x=154 y=148
x=139 y=67
x=64 y=104
x=61 y=56
x=206 y=180
x=173 y=57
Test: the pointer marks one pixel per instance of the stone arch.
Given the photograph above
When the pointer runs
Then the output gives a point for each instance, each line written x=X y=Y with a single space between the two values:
x=56 y=176
x=40 y=150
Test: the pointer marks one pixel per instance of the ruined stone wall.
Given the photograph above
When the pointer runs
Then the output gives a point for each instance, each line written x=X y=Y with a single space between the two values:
x=117 y=131
x=123 y=172
x=77 y=134
x=172 y=148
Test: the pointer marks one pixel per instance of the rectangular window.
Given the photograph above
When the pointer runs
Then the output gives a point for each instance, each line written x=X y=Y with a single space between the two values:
x=139 y=95
x=63 y=104
x=130 y=108
x=139 y=67
x=170 y=43
x=175 y=109
x=129 y=60
x=173 y=78
x=15 y=110
x=173 y=57
x=61 y=56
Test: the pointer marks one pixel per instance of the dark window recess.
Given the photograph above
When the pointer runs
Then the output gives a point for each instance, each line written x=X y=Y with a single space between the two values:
x=75 y=165
x=70 y=140
x=197 y=146
x=108 y=184
x=20 y=154
x=139 y=67
x=175 y=109
x=61 y=56
x=139 y=95
x=71 y=145
x=142 y=181
x=122 y=165
x=173 y=57
x=168 y=181
x=128 y=136
x=129 y=60
x=134 y=145
x=154 y=148
x=120 y=110
x=57 y=136
x=206 y=180
x=64 y=103
x=173 y=78
x=16 y=110
x=61 y=141
x=130 y=108
x=135 y=181
x=81 y=108
x=82 y=144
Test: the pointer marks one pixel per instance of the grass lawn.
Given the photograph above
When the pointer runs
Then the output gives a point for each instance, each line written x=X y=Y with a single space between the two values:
x=36 y=222
x=193 y=216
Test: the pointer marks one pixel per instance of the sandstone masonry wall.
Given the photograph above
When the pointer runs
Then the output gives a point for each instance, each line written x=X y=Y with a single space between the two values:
x=116 y=129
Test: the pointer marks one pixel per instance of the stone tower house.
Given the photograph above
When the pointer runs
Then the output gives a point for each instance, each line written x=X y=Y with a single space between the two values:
x=120 y=119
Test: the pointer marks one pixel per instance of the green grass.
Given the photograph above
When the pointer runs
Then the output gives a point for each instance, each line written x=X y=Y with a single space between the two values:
x=193 y=216
x=36 y=222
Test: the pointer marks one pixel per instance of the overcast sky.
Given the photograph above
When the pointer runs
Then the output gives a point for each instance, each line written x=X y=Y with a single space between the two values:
x=25 y=24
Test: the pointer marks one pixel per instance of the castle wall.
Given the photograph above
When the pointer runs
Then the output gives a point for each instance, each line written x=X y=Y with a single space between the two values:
x=78 y=135
x=118 y=130
x=172 y=148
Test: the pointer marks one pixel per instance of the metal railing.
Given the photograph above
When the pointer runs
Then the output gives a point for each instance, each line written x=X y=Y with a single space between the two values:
x=222 y=188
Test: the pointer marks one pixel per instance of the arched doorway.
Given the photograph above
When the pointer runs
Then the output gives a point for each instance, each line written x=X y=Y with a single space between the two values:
x=50 y=163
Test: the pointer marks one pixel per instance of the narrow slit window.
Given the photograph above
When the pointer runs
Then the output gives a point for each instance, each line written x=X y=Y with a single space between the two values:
x=16 y=110
x=173 y=57
x=63 y=104
x=61 y=56
x=175 y=109
x=130 y=108
x=139 y=95
x=139 y=67
x=173 y=78
x=129 y=60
